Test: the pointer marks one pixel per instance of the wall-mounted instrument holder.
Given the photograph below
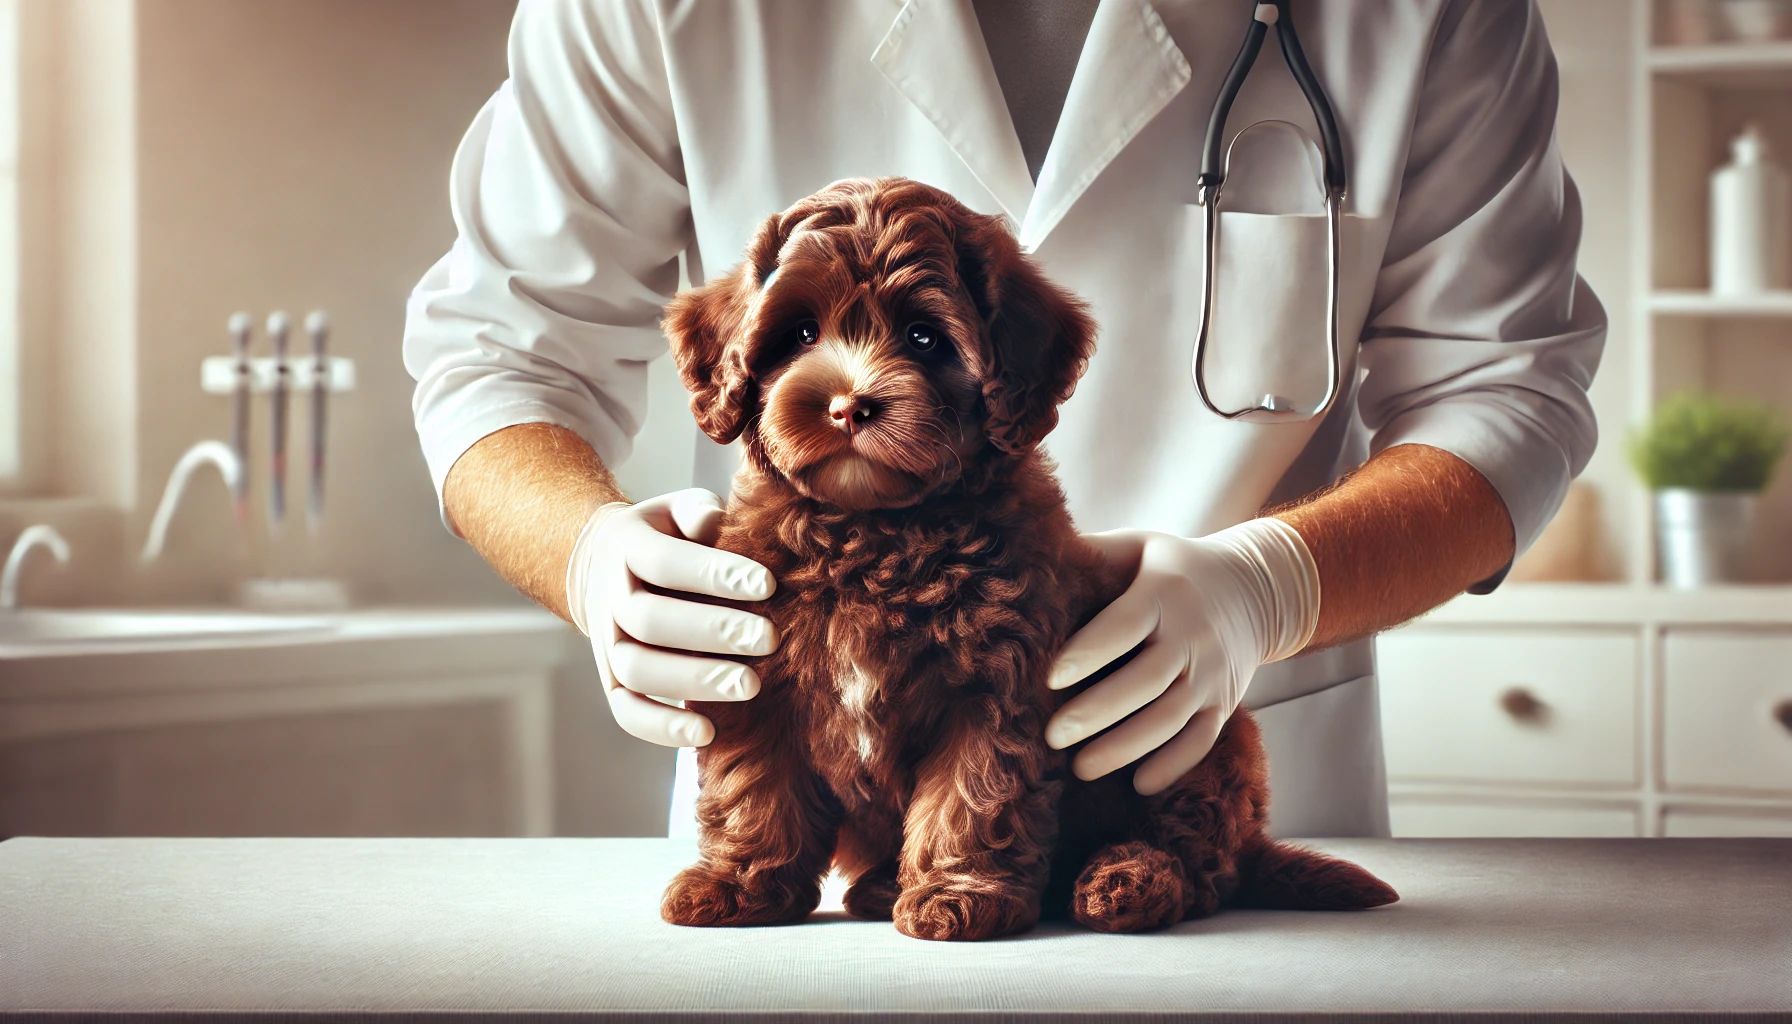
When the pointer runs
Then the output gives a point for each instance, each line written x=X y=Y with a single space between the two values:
x=285 y=377
x=217 y=374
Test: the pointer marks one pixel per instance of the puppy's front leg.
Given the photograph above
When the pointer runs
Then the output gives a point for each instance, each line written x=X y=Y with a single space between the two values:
x=766 y=833
x=979 y=830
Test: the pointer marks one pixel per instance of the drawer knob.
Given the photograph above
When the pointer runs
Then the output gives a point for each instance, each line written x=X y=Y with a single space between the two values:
x=1523 y=705
x=1783 y=712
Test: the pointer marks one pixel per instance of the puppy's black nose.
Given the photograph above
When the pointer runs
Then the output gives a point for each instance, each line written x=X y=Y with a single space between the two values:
x=850 y=413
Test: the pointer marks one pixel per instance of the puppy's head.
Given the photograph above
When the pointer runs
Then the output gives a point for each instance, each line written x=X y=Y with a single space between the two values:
x=879 y=338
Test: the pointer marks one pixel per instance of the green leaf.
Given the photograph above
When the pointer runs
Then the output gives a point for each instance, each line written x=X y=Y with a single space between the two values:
x=1703 y=442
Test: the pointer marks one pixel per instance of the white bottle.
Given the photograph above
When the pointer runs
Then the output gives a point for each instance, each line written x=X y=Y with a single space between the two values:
x=1751 y=221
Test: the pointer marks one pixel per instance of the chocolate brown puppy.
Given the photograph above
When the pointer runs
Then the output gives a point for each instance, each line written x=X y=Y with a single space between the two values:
x=891 y=361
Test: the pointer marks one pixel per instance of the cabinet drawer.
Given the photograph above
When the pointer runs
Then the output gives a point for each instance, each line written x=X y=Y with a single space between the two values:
x=1727 y=710
x=1511 y=705
x=1687 y=822
x=410 y=771
x=1448 y=819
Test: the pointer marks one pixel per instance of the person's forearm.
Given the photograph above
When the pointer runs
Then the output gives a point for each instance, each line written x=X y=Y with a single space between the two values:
x=1410 y=529
x=520 y=496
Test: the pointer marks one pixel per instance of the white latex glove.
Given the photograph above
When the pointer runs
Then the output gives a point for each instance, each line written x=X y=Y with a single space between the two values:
x=643 y=640
x=1208 y=611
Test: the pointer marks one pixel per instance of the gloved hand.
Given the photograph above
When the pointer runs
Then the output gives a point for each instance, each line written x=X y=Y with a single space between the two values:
x=641 y=638
x=1209 y=611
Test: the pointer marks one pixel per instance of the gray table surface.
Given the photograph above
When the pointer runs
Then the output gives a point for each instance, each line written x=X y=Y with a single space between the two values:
x=568 y=928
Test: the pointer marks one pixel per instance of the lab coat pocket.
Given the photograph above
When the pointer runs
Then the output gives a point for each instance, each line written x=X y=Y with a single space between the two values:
x=1271 y=302
x=1270 y=330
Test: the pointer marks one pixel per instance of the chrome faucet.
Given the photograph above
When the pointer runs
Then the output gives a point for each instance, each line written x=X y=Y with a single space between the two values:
x=41 y=535
x=216 y=453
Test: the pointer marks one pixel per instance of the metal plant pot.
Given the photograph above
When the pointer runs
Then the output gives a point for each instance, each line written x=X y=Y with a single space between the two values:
x=1704 y=535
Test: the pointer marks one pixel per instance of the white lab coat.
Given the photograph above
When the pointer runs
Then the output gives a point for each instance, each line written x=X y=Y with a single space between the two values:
x=632 y=131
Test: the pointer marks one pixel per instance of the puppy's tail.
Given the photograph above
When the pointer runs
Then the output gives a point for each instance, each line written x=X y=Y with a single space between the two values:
x=1279 y=876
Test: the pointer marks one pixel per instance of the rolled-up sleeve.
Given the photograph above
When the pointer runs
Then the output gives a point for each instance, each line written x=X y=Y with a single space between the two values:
x=570 y=208
x=1482 y=339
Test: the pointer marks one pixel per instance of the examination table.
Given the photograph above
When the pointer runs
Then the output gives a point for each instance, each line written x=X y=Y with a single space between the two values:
x=559 y=929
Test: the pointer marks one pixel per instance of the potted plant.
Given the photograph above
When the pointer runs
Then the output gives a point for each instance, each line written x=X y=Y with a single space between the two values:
x=1707 y=459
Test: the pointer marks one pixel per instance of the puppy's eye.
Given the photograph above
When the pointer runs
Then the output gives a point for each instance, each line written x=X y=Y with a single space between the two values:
x=808 y=332
x=923 y=337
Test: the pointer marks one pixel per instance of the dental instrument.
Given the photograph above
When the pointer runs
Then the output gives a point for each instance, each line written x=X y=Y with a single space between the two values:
x=317 y=324
x=279 y=325
x=241 y=325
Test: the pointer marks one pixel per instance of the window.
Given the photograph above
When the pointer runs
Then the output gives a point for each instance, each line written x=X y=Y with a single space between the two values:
x=10 y=425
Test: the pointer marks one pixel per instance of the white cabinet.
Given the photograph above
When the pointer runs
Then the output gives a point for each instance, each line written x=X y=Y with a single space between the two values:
x=425 y=723
x=1727 y=711
x=1503 y=705
x=1577 y=710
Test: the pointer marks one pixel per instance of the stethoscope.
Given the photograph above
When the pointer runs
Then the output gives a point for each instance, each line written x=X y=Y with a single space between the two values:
x=1213 y=177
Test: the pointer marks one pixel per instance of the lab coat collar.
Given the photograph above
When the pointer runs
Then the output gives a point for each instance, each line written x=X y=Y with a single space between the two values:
x=1129 y=70
x=935 y=57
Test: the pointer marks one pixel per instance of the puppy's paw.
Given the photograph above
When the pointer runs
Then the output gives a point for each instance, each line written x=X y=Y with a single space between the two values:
x=872 y=897
x=965 y=910
x=1130 y=887
x=706 y=897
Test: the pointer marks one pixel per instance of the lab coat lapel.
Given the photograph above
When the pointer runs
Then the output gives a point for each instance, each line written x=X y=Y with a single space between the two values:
x=1129 y=70
x=935 y=56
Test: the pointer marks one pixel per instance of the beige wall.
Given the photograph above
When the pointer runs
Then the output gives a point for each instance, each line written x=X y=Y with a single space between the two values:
x=292 y=155
x=1594 y=126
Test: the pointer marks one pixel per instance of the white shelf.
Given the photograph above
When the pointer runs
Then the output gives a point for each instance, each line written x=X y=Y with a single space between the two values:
x=1733 y=65
x=1619 y=604
x=1701 y=303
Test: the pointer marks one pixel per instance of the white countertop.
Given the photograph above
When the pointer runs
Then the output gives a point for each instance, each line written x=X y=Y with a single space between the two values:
x=163 y=628
x=563 y=929
x=1618 y=604
x=347 y=645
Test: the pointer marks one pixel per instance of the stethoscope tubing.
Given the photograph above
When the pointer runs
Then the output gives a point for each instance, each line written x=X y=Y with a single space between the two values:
x=1331 y=146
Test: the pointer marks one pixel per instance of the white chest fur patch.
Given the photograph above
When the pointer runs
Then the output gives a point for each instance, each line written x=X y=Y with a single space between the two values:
x=855 y=687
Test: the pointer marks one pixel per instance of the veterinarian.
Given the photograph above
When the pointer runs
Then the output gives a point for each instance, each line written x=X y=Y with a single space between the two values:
x=632 y=132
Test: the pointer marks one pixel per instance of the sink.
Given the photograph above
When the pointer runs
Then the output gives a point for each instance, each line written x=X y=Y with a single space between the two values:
x=87 y=627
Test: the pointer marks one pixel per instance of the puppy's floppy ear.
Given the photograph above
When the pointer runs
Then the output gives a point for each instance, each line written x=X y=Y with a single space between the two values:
x=705 y=327
x=1040 y=336
x=710 y=334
